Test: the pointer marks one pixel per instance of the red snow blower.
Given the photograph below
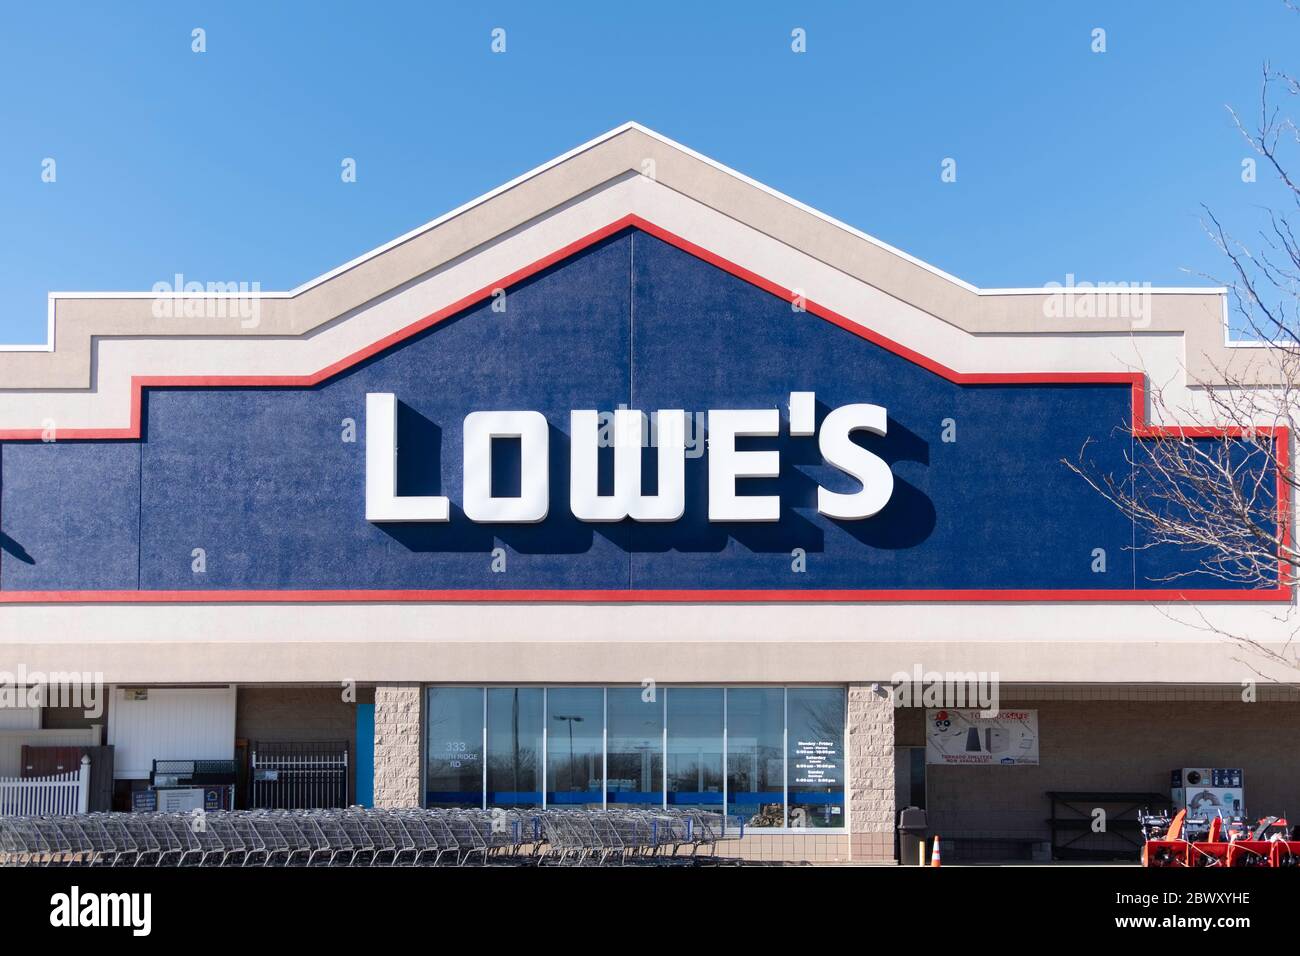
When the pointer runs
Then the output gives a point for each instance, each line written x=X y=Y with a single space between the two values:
x=1216 y=842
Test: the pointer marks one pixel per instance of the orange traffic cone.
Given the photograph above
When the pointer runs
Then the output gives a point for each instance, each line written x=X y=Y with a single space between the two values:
x=934 y=856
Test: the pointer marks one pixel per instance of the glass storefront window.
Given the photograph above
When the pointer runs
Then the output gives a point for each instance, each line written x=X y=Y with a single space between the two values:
x=454 y=741
x=635 y=746
x=695 y=747
x=575 y=727
x=771 y=756
x=756 y=755
x=815 y=756
x=514 y=746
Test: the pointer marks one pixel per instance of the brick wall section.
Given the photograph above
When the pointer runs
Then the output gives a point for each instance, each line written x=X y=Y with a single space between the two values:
x=871 y=773
x=397 y=745
x=807 y=847
x=282 y=714
x=294 y=714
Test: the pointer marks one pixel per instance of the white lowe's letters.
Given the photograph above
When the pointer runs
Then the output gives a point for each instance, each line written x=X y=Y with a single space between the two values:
x=627 y=501
x=848 y=456
x=382 y=503
x=534 y=467
x=727 y=465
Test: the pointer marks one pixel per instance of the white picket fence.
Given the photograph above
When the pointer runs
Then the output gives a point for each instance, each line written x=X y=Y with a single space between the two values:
x=58 y=795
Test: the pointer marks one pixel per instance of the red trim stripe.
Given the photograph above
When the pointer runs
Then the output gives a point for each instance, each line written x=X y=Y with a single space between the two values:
x=643 y=596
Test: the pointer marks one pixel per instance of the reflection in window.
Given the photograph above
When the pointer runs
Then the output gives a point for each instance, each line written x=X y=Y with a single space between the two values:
x=514 y=751
x=695 y=747
x=756 y=756
x=815 y=756
x=454 y=765
x=635 y=745
x=575 y=727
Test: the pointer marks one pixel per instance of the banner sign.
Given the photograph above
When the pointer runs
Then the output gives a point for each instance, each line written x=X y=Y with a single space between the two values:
x=1007 y=737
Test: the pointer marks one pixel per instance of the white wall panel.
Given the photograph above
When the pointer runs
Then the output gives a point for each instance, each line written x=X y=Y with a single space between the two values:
x=172 y=724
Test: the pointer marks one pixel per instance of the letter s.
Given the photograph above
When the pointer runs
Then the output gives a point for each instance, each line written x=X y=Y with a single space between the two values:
x=851 y=458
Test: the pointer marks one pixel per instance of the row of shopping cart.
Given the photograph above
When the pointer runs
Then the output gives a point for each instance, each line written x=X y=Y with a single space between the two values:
x=365 y=837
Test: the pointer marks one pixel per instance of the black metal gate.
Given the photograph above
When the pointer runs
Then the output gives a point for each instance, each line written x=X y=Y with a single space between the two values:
x=299 y=775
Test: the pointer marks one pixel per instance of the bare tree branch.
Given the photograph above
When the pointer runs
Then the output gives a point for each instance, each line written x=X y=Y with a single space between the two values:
x=1219 y=486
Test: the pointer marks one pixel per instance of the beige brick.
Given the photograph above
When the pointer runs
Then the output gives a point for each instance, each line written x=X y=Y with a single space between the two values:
x=870 y=783
x=397 y=745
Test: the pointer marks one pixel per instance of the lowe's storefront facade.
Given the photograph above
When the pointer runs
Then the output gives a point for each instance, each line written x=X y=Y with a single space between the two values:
x=631 y=483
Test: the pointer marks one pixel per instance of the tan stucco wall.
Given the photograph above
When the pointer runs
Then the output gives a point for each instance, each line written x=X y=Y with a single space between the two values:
x=629 y=660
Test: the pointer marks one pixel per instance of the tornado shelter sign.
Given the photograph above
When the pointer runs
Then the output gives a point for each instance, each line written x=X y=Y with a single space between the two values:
x=978 y=738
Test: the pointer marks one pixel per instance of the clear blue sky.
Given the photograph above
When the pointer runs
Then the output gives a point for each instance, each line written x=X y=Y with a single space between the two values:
x=225 y=165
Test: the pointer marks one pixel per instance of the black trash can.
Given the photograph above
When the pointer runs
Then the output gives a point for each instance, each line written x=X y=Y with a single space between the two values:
x=913 y=828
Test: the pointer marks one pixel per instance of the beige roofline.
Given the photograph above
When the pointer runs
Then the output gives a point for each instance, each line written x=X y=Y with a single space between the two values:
x=77 y=318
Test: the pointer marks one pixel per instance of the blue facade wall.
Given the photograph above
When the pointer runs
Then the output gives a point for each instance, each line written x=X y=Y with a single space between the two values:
x=261 y=480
